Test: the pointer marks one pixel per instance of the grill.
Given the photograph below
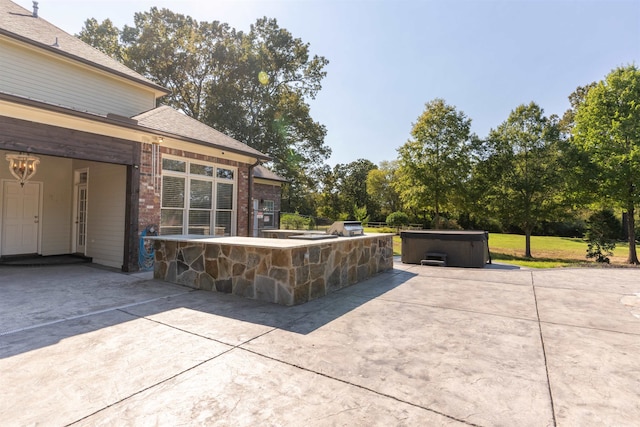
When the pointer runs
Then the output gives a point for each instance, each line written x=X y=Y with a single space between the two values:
x=346 y=228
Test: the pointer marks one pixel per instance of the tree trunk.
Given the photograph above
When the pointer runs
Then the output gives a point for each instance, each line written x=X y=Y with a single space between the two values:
x=527 y=244
x=631 y=232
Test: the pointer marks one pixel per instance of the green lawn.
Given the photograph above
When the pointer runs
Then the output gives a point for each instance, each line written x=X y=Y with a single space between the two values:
x=548 y=252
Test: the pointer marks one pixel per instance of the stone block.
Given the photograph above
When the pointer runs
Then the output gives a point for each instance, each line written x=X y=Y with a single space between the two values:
x=189 y=278
x=191 y=253
x=281 y=258
x=298 y=257
x=238 y=269
x=314 y=254
x=300 y=294
x=224 y=286
x=317 y=288
x=206 y=282
x=244 y=288
x=212 y=251
x=238 y=254
x=301 y=275
x=285 y=296
x=279 y=274
x=211 y=267
x=265 y=289
x=181 y=267
x=198 y=264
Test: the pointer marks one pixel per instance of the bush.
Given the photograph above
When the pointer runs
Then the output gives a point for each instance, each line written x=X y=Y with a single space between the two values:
x=397 y=220
x=296 y=222
x=602 y=231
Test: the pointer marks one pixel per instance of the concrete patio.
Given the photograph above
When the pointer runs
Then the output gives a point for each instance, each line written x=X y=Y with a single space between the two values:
x=80 y=345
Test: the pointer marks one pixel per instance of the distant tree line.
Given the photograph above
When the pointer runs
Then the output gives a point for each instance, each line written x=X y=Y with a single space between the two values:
x=533 y=173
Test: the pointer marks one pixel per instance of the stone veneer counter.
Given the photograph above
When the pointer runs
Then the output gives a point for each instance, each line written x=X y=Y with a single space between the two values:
x=283 y=271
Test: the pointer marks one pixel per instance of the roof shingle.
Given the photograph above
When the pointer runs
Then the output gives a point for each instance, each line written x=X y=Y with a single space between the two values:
x=171 y=121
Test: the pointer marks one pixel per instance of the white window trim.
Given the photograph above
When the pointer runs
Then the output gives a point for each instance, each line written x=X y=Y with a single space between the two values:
x=213 y=179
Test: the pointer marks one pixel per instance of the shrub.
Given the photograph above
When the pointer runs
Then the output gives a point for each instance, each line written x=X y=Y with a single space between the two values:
x=397 y=219
x=295 y=222
x=602 y=231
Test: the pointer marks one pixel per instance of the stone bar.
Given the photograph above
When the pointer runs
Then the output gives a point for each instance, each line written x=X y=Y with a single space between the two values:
x=282 y=271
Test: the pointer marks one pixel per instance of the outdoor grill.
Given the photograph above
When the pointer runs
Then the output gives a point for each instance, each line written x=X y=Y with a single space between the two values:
x=346 y=228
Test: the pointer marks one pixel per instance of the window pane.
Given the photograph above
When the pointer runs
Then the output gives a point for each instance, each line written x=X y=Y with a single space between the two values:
x=223 y=221
x=171 y=221
x=201 y=194
x=268 y=205
x=197 y=169
x=224 y=173
x=172 y=192
x=224 y=196
x=174 y=165
x=200 y=222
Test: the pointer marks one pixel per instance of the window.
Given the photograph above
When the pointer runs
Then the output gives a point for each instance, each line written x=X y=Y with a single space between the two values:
x=268 y=206
x=194 y=201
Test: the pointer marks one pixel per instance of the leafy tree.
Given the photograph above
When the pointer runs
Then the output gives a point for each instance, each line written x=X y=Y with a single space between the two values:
x=381 y=188
x=602 y=232
x=262 y=99
x=521 y=163
x=103 y=36
x=344 y=188
x=397 y=219
x=435 y=163
x=607 y=129
x=252 y=86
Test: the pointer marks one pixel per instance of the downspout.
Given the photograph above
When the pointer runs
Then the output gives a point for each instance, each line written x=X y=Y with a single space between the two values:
x=250 y=202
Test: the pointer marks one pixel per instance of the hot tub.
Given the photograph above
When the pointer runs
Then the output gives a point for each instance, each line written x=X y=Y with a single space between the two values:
x=460 y=248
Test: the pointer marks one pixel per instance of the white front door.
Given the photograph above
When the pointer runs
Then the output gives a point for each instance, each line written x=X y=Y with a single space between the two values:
x=20 y=218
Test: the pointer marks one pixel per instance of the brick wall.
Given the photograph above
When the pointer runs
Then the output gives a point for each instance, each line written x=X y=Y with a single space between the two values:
x=149 y=203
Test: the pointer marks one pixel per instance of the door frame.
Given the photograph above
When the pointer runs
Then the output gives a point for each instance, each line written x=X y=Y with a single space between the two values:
x=2 y=219
x=74 y=225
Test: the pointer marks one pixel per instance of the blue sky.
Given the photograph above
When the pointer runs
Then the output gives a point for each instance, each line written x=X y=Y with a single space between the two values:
x=388 y=58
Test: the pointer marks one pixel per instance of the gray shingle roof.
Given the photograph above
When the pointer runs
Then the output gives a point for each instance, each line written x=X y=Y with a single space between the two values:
x=264 y=173
x=19 y=23
x=171 y=121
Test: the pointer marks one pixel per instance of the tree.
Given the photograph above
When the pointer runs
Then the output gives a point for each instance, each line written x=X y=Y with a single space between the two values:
x=381 y=188
x=105 y=37
x=607 y=129
x=435 y=164
x=252 y=86
x=521 y=163
x=262 y=99
x=345 y=190
x=397 y=220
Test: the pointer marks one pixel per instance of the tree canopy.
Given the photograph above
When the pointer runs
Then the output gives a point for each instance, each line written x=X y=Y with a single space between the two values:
x=435 y=163
x=253 y=86
x=522 y=163
x=607 y=129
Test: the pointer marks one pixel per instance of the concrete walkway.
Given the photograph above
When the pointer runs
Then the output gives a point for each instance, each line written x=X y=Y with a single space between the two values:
x=415 y=346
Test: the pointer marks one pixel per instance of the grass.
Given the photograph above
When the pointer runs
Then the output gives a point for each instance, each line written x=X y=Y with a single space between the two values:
x=547 y=251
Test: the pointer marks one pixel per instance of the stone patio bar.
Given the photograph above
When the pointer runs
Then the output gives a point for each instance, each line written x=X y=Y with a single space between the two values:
x=282 y=271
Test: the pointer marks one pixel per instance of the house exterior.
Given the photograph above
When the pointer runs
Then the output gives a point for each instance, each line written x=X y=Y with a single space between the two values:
x=267 y=196
x=112 y=166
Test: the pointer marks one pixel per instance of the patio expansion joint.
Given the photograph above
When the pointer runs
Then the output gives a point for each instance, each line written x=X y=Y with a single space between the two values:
x=176 y=375
x=544 y=352
x=361 y=387
x=443 y=307
x=92 y=313
x=590 y=328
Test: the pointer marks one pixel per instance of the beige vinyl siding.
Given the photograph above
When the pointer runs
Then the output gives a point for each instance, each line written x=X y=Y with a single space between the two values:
x=57 y=177
x=106 y=212
x=56 y=198
x=46 y=78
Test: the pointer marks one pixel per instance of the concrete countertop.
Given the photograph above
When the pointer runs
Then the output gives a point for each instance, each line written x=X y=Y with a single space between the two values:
x=260 y=242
